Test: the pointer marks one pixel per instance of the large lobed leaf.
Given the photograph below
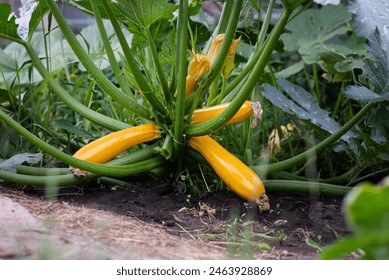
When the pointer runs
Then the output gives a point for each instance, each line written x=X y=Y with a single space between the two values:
x=146 y=12
x=303 y=105
x=310 y=32
x=8 y=26
x=17 y=160
x=370 y=15
x=376 y=71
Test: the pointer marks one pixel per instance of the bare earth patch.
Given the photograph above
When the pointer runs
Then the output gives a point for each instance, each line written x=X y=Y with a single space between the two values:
x=160 y=223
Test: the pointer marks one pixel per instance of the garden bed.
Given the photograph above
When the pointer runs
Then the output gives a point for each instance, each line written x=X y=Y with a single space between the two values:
x=159 y=222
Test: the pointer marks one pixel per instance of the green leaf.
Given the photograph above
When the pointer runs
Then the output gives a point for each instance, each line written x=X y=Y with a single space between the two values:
x=36 y=17
x=17 y=160
x=68 y=126
x=374 y=246
x=292 y=4
x=8 y=27
x=146 y=12
x=291 y=70
x=28 y=21
x=376 y=71
x=324 y=24
x=85 y=6
x=378 y=122
x=303 y=105
x=338 y=66
x=370 y=15
x=367 y=209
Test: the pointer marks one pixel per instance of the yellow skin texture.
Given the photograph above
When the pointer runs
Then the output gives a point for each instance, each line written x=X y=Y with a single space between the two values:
x=111 y=145
x=205 y=114
x=234 y=173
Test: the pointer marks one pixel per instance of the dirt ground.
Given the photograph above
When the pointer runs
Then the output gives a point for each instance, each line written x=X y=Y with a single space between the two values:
x=157 y=222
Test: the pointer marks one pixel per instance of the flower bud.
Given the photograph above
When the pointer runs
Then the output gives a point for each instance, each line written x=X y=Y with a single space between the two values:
x=215 y=47
x=229 y=61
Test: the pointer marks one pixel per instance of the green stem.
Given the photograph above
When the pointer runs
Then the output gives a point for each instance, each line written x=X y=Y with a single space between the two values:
x=304 y=186
x=283 y=165
x=181 y=60
x=316 y=82
x=265 y=25
x=160 y=72
x=23 y=179
x=107 y=46
x=222 y=93
x=222 y=24
x=107 y=86
x=84 y=111
x=101 y=169
x=221 y=56
x=38 y=176
x=145 y=153
x=140 y=79
x=247 y=87
x=213 y=91
x=225 y=46
x=255 y=57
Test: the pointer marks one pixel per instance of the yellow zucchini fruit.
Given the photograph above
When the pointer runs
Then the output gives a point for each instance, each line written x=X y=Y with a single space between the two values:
x=109 y=146
x=235 y=174
x=207 y=113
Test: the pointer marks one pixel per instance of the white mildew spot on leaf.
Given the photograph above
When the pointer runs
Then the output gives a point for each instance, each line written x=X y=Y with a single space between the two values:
x=25 y=14
x=327 y=2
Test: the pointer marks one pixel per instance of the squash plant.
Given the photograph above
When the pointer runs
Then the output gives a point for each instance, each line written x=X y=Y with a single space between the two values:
x=169 y=105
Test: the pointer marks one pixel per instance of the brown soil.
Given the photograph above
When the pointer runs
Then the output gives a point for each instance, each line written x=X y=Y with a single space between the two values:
x=158 y=222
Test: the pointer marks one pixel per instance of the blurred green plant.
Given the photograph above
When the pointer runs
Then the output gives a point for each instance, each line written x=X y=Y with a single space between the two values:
x=366 y=210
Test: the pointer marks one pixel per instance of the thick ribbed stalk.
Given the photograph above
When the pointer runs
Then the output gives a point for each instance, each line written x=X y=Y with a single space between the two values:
x=265 y=25
x=225 y=46
x=38 y=176
x=102 y=169
x=181 y=80
x=304 y=186
x=283 y=165
x=24 y=179
x=108 y=49
x=222 y=24
x=254 y=58
x=247 y=87
x=107 y=86
x=73 y=103
x=217 y=65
